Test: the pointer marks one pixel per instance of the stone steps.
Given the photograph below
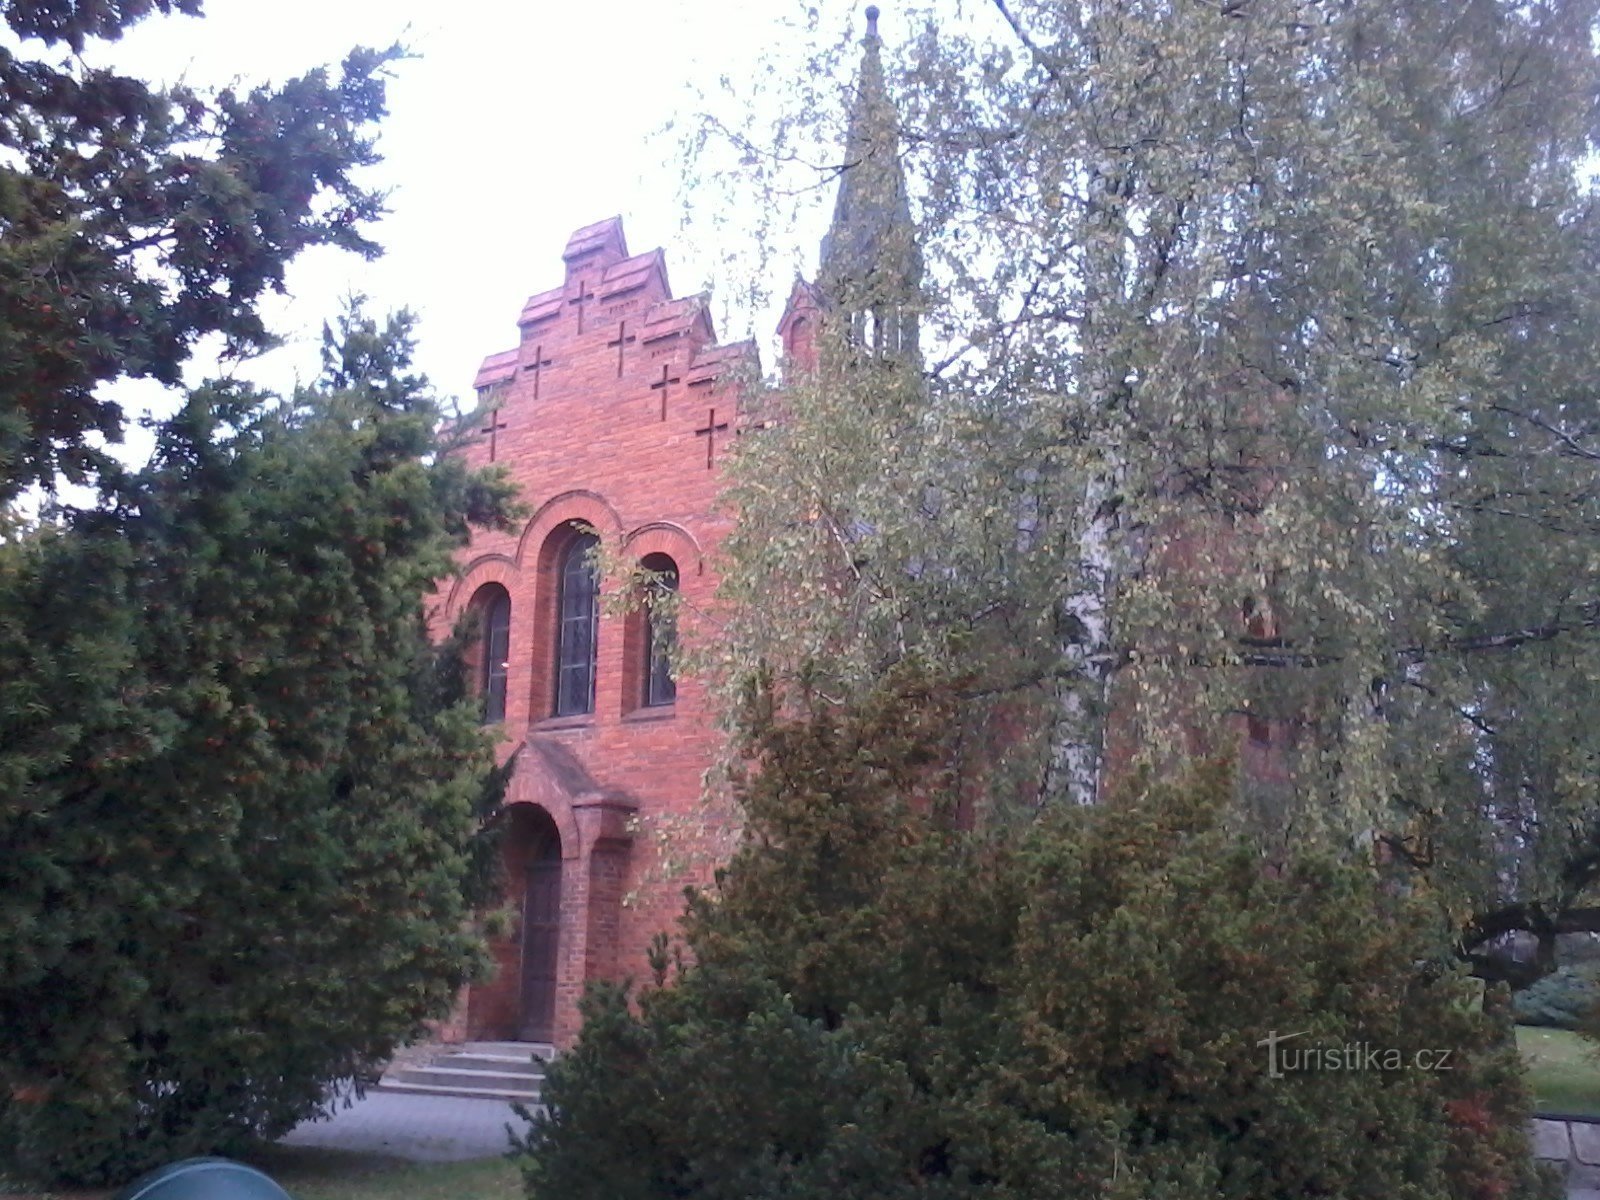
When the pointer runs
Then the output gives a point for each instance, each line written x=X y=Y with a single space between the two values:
x=531 y=1099
x=476 y=1070
x=540 y=1050
x=507 y=1064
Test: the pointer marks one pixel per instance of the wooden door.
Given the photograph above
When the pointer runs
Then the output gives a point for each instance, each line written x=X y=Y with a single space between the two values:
x=541 y=933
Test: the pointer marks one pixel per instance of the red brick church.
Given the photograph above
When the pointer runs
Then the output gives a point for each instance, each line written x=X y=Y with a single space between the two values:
x=615 y=408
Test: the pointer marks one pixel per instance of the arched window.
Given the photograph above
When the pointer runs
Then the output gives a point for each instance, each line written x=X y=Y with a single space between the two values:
x=494 y=649
x=578 y=622
x=799 y=337
x=660 y=631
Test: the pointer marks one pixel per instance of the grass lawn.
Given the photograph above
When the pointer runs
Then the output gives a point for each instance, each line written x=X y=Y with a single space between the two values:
x=308 y=1173
x=1562 y=1069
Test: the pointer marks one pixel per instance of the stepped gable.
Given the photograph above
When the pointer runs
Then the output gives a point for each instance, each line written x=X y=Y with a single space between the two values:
x=497 y=368
x=599 y=244
x=683 y=317
x=630 y=274
x=712 y=362
x=542 y=307
x=609 y=296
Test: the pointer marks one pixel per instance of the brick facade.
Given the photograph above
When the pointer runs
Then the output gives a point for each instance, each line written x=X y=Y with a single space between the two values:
x=614 y=409
x=616 y=404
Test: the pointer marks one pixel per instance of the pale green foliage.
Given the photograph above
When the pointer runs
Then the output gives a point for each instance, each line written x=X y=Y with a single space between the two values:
x=1255 y=299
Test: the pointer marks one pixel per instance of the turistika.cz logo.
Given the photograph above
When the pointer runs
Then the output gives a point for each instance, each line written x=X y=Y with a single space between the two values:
x=1346 y=1056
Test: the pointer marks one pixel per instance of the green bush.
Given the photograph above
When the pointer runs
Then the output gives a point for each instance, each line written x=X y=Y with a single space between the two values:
x=237 y=780
x=878 y=1004
x=1564 y=999
x=1574 y=949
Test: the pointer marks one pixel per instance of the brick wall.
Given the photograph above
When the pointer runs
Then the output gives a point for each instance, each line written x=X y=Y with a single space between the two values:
x=617 y=403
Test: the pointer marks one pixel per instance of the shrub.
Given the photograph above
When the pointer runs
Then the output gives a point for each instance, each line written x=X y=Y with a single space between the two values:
x=1563 y=999
x=238 y=783
x=882 y=1005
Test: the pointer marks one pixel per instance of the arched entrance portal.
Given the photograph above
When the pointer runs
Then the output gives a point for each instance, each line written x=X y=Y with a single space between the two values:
x=536 y=849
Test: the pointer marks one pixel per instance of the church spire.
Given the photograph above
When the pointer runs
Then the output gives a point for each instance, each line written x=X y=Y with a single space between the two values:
x=871 y=269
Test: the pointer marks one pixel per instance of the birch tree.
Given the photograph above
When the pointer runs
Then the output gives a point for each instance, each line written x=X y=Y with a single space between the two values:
x=1258 y=394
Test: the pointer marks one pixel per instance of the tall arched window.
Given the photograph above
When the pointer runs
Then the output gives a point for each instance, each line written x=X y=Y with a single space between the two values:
x=494 y=649
x=659 y=631
x=578 y=623
x=799 y=337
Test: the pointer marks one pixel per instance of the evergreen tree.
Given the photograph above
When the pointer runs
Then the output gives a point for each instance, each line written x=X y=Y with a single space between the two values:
x=238 y=783
x=877 y=1003
x=136 y=219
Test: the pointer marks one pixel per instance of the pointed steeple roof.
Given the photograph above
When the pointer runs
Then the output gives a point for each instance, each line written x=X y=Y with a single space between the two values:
x=869 y=256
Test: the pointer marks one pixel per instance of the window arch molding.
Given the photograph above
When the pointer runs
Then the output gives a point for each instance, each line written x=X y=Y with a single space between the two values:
x=797 y=341
x=577 y=507
x=665 y=537
x=471 y=585
x=485 y=569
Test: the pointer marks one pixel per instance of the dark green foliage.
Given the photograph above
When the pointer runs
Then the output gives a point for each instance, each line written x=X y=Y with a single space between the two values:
x=1578 y=948
x=882 y=1005
x=135 y=220
x=1563 y=1000
x=238 y=786
x=237 y=781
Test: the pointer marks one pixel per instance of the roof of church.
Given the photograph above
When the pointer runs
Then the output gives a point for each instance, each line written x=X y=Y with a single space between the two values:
x=599 y=270
x=869 y=255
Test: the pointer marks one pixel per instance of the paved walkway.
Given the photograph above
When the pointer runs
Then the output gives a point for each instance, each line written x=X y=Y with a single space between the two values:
x=419 y=1128
x=1573 y=1144
x=1583 y=1184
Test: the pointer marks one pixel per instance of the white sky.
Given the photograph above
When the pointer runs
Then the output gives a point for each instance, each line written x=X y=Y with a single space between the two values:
x=517 y=123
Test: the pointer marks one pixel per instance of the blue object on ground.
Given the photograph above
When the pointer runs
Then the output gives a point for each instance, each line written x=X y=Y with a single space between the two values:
x=203 y=1179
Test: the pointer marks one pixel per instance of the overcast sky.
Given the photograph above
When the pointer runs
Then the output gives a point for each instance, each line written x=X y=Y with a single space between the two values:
x=516 y=123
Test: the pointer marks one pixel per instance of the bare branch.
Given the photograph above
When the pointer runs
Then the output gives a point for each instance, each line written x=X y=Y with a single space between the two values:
x=1281 y=652
x=1051 y=67
x=1529 y=918
x=1566 y=439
